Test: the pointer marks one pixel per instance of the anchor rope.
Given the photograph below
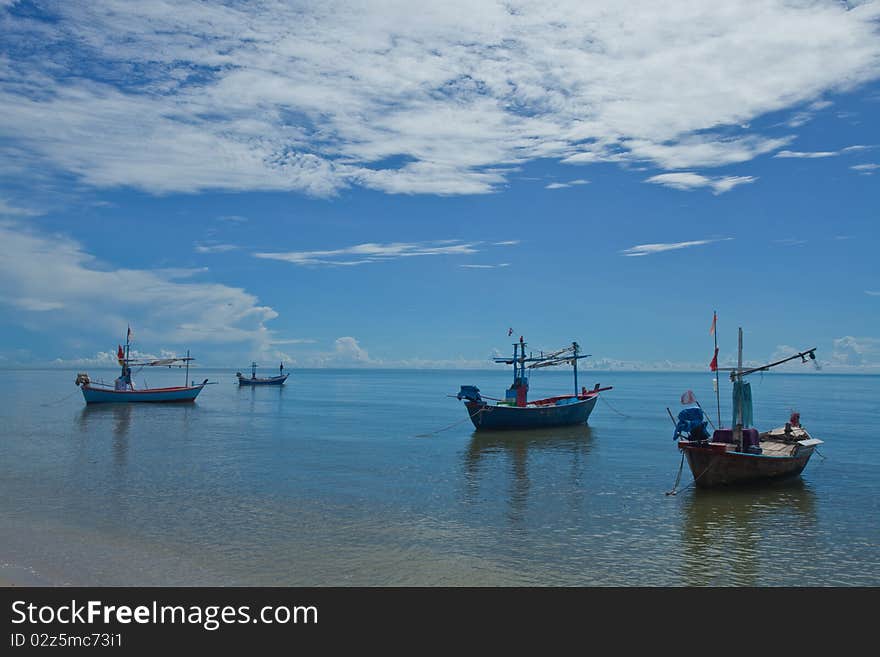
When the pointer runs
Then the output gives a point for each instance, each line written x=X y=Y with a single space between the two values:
x=454 y=424
x=608 y=404
x=58 y=401
x=696 y=479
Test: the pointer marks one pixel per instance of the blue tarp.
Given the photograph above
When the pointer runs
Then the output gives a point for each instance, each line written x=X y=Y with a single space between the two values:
x=691 y=422
x=742 y=390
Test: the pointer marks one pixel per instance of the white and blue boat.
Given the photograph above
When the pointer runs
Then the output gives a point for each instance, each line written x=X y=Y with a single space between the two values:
x=515 y=411
x=255 y=380
x=123 y=391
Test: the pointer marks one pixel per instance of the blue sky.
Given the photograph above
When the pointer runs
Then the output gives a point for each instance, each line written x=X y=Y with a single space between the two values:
x=395 y=185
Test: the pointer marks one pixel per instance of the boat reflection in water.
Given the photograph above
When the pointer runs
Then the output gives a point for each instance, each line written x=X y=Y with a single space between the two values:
x=754 y=535
x=571 y=442
x=96 y=416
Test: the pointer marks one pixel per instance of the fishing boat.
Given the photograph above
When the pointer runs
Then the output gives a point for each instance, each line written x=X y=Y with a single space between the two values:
x=123 y=390
x=262 y=380
x=515 y=411
x=741 y=454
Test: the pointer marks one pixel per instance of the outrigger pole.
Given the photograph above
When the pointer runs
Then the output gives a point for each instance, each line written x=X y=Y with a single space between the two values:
x=737 y=373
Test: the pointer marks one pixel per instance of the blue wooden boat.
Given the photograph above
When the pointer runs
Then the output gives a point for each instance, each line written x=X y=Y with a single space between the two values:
x=255 y=380
x=741 y=454
x=123 y=390
x=515 y=411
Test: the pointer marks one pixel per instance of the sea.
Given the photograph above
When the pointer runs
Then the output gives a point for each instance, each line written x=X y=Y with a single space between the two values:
x=377 y=478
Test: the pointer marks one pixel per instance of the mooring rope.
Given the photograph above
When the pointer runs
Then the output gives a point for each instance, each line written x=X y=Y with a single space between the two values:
x=696 y=479
x=58 y=401
x=454 y=424
x=608 y=404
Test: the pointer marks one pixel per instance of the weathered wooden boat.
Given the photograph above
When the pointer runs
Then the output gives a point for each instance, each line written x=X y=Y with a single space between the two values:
x=123 y=390
x=515 y=411
x=255 y=380
x=741 y=454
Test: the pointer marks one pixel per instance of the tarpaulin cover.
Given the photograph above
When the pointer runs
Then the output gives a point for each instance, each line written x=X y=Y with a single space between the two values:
x=742 y=390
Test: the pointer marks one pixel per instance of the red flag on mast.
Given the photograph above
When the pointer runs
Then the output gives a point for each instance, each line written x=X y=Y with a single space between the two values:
x=714 y=364
x=509 y=332
x=120 y=355
x=714 y=319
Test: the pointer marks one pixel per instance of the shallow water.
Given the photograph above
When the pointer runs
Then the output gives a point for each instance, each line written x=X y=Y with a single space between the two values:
x=336 y=479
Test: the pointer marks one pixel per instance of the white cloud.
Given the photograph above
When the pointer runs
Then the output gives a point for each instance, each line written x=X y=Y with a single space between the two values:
x=820 y=154
x=570 y=183
x=703 y=151
x=853 y=352
x=649 y=249
x=346 y=352
x=872 y=293
x=811 y=155
x=214 y=248
x=442 y=98
x=688 y=181
x=52 y=276
x=371 y=252
x=8 y=210
x=502 y=264
x=865 y=169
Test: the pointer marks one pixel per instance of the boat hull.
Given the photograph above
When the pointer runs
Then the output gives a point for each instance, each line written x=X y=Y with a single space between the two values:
x=714 y=465
x=487 y=417
x=263 y=381
x=182 y=394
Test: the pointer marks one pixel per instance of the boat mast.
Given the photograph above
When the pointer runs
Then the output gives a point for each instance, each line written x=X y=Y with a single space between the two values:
x=717 y=388
x=515 y=352
x=574 y=363
x=186 y=380
x=738 y=429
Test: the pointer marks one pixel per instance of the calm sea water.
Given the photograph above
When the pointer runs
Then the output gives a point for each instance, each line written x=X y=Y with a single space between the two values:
x=334 y=480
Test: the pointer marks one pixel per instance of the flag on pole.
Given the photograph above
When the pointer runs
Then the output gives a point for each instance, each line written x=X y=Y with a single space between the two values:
x=129 y=335
x=714 y=364
x=120 y=355
x=688 y=398
x=509 y=332
x=714 y=320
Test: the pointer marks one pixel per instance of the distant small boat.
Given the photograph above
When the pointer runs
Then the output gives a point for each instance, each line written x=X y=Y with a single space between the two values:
x=515 y=411
x=122 y=390
x=262 y=380
x=741 y=454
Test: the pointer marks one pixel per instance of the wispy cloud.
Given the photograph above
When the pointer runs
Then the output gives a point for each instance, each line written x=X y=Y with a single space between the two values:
x=688 y=181
x=440 y=99
x=214 y=248
x=820 y=154
x=790 y=241
x=570 y=183
x=703 y=150
x=502 y=264
x=371 y=252
x=866 y=169
x=649 y=249
x=506 y=243
x=8 y=210
x=872 y=293
x=804 y=116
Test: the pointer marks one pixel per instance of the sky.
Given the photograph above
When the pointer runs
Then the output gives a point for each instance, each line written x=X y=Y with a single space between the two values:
x=400 y=184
